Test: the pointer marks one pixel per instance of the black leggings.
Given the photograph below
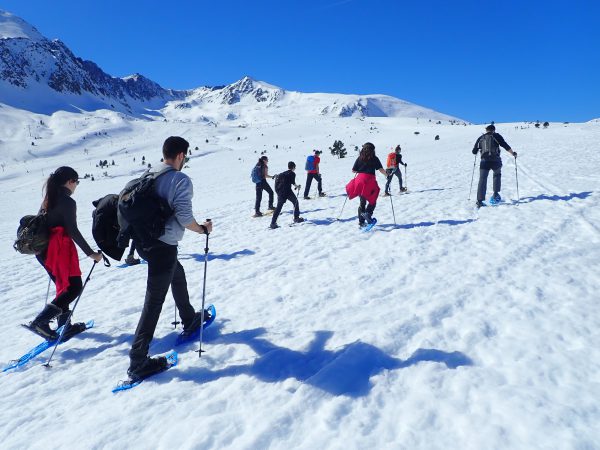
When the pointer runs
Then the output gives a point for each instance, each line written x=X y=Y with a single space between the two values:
x=74 y=289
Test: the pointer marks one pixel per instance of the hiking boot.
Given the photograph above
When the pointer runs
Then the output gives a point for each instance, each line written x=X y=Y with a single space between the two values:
x=361 y=224
x=403 y=189
x=257 y=214
x=149 y=367
x=131 y=260
x=367 y=217
x=298 y=220
x=387 y=194
x=306 y=198
x=322 y=194
x=41 y=324
x=273 y=226
x=497 y=197
x=480 y=204
x=271 y=208
x=72 y=330
x=196 y=321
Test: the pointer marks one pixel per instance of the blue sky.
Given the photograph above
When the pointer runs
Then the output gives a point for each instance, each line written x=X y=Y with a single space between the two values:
x=479 y=60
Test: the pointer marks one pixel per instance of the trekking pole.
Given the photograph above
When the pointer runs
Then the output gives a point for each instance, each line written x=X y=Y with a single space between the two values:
x=175 y=321
x=65 y=326
x=200 y=351
x=472 y=176
x=405 y=179
x=47 y=290
x=517 y=178
x=344 y=203
x=393 y=213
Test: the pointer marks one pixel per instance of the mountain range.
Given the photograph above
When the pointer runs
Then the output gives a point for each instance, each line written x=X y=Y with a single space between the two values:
x=44 y=76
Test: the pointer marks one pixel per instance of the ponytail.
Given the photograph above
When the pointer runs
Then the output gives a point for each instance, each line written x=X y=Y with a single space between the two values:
x=55 y=181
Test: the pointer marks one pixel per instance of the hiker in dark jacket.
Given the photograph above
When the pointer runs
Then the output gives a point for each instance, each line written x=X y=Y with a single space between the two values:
x=489 y=145
x=263 y=185
x=164 y=269
x=60 y=259
x=283 y=187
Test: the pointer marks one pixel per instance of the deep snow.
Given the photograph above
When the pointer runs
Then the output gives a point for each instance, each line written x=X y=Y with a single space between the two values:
x=455 y=328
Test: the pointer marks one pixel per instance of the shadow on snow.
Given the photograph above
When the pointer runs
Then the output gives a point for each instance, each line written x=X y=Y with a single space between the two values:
x=556 y=198
x=346 y=371
x=211 y=256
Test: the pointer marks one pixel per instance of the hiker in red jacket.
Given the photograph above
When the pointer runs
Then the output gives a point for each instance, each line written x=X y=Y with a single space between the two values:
x=60 y=258
x=364 y=184
x=394 y=160
x=312 y=171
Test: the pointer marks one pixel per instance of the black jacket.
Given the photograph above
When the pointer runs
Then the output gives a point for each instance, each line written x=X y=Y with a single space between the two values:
x=284 y=182
x=497 y=140
x=64 y=214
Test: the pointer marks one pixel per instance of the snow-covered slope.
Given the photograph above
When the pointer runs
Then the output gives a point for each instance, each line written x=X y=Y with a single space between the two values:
x=451 y=328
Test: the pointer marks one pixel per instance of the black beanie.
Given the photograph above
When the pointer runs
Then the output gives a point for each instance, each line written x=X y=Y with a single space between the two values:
x=490 y=128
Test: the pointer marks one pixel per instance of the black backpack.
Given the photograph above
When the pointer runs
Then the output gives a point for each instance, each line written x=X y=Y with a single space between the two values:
x=489 y=146
x=105 y=226
x=32 y=235
x=280 y=183
x=141 y=213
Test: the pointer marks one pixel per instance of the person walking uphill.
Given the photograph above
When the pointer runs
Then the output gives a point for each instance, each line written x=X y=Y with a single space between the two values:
x=364 y=184
x=489 y=145
x=60 y=258
x=394 y=160
x=260 y=173
x=283 y=187
x=164 y=269
x=313 y=171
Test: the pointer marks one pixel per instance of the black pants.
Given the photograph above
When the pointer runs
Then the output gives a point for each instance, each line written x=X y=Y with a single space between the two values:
x=164 y=270
x=363 y=208
x=259 y=188
x=391 y=173
x=281 y=199
x=309 y=178
x=67 y=297
x=484 y=169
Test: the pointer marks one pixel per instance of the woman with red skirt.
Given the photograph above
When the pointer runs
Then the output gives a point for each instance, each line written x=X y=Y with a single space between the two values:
x=60 y=258
x=364 y=185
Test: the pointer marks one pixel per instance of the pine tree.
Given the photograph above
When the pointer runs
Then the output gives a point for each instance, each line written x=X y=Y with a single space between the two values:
x=338 y=149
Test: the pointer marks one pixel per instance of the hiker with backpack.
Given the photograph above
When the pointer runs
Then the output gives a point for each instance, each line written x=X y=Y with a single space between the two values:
x=283 y=187
x=313 y=172
x=364 y=184
x=489 y=145
x=60 y=258
x=174 y=188
x=394 y=160
x=259 y=176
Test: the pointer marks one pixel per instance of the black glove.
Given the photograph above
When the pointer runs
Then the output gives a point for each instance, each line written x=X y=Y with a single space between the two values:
x=515 y=154
x=405 y=164
x=475 y=151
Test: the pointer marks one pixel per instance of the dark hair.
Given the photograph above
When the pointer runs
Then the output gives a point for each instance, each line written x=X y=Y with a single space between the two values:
x=262 y=160
x=291 y=165
x=398 y=149
x=367 y=152
x=55 y=181
x=490 y=128
x=173 y=146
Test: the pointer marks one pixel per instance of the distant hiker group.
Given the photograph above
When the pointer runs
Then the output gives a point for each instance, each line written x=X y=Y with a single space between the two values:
x=151 y=214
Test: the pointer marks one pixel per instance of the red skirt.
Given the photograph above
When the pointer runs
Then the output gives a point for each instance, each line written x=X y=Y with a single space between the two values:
x=62 y=260
x=363 y=185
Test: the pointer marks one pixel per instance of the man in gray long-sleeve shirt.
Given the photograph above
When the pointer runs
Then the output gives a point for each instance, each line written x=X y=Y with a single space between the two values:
x=164 y=269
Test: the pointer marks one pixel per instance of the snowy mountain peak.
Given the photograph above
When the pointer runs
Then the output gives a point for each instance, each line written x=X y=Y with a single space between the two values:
x=254 y=90
x=13 y=27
